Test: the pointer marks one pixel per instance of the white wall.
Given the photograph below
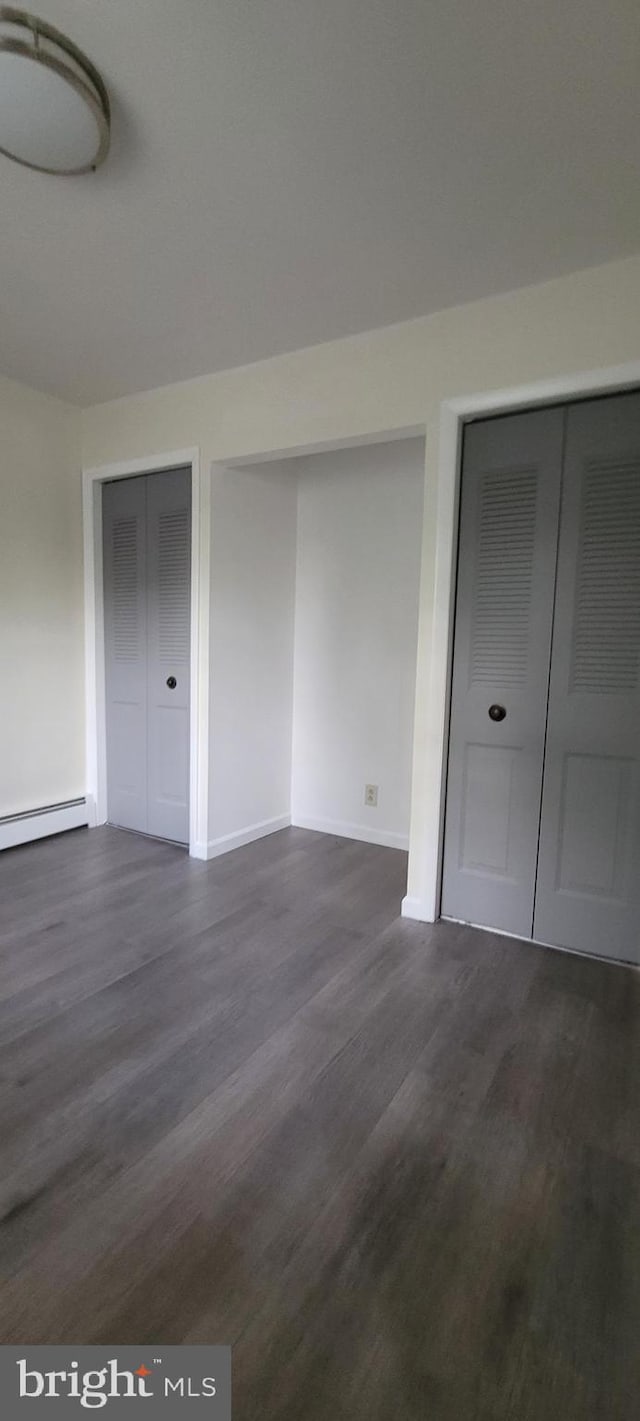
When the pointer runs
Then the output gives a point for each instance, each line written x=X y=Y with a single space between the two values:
x=253 y=555
x=390 y=379
x=358 y=575
x=41 y=596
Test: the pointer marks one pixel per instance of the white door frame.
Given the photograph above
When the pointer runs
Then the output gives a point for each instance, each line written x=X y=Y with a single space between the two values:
x=95 y=704
x=433 y=718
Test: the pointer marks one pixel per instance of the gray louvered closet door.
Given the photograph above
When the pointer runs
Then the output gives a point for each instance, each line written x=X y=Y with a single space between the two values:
x=504 y=609
x=588 y=884
x=169 y=575
x=147 y=574
x=125 y=633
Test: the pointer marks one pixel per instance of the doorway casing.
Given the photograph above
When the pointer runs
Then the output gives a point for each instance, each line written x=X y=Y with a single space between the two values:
x=95 y=705
x=435 y=640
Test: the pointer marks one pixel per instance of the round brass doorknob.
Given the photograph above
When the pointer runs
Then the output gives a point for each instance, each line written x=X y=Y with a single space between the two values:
x=497 y=712
x=172 y=683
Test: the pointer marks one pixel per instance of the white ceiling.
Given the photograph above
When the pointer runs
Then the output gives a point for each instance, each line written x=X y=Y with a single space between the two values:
x=288 y=171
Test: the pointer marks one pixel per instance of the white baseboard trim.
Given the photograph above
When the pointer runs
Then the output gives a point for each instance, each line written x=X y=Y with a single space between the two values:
x=416 y=909
x=198 y=851
x=92 y=814
x=364 y=832
x=40 y=823
x=237 y=840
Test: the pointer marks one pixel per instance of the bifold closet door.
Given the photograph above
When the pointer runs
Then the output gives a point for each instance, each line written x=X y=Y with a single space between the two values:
x=169 y=630
x=504 y=610
x=124 y=524
x=588 y=883
x=147 y=580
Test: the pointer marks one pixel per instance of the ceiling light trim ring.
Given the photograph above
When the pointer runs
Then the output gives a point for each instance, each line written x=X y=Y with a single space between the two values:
x=95 y=97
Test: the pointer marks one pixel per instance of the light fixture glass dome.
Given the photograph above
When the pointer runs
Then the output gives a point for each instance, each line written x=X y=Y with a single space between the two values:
x=54 y=107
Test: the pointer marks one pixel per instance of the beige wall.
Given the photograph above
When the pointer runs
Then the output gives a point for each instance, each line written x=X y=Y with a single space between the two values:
x=389 y=379
x=41 y=617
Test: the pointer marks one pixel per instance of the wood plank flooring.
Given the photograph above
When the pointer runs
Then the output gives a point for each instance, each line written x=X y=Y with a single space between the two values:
x=396 y=1166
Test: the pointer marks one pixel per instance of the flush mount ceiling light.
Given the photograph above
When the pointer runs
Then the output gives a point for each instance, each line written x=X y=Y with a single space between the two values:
x=54 y=107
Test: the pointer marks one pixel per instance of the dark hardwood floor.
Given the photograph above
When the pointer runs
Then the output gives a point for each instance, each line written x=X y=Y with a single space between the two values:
x=396 y=1166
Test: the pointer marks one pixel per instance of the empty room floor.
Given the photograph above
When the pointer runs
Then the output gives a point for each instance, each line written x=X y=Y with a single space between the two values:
x=396 y=1166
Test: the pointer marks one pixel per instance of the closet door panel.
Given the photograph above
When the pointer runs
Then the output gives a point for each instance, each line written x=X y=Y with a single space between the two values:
x=125 y=630
x=588 y=885
x=169 y=607
x=504 y=608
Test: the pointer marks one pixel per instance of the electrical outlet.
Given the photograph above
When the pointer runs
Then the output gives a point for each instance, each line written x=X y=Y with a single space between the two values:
x=371 y=796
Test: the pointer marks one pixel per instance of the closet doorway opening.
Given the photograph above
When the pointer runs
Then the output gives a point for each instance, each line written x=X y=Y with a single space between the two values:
x=315 y=575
